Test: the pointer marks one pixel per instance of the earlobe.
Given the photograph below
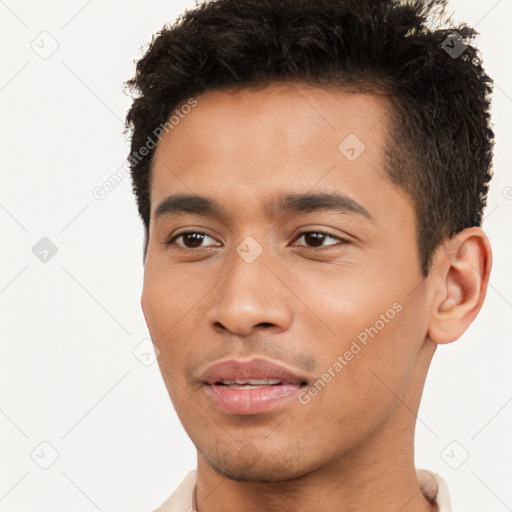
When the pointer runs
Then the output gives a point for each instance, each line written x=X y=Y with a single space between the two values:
x=463 y=269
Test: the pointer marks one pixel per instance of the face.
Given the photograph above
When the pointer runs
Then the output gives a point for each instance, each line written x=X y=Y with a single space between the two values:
x=284 y=295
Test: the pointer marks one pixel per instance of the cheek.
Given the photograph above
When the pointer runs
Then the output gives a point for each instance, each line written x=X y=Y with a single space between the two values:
x=376 y=330
x=369 y=380
x=168 y=306
x=169 y=295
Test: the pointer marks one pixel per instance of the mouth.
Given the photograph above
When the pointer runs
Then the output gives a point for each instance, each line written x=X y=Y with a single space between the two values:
x=249 y=383
x=250 y=387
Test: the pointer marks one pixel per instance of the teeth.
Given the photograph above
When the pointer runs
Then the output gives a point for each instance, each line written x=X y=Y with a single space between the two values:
x=250 y=383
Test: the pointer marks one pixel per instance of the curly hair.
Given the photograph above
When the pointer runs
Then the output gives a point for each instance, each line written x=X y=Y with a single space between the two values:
x=441 y=140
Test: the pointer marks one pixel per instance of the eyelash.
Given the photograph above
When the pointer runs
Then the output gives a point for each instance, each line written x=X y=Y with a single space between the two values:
x=171 y=240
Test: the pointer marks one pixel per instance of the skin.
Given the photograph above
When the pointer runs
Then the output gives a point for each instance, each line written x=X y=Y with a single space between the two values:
x=351 y=447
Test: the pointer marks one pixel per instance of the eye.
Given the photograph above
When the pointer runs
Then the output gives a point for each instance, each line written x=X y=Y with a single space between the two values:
x=190 y=240
x=317 y=239
x=195 y=239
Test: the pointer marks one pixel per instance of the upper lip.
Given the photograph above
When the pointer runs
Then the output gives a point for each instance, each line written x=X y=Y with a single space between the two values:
x=257 y=368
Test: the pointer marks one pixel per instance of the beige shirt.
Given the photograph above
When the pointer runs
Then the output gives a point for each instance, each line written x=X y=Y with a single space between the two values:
x=432 y=486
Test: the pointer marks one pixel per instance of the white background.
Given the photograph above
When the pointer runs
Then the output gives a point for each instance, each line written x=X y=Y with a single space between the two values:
x=69 y=326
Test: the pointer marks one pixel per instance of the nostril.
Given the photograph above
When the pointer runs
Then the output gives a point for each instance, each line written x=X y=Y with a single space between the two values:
x=218 y=325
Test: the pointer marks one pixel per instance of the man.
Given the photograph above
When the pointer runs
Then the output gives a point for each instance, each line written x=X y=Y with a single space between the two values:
x=311 y=177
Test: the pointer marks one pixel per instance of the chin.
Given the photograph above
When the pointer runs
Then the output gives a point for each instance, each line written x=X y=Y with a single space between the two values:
x=247 y=465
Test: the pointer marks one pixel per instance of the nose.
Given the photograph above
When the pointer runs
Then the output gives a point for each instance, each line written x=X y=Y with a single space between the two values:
x=250 y=297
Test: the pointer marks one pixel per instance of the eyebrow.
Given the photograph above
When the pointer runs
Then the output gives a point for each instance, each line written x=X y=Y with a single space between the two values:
x=291 y=203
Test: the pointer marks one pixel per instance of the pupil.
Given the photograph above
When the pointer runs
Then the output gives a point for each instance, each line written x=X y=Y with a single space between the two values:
x=194 y=238
x=314 y=239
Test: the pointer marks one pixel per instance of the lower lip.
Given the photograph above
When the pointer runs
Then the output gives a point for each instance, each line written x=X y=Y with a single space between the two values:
x=251 y=401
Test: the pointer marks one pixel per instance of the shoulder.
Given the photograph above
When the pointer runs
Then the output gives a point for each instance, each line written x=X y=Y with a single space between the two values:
x=434 y=488
x=181 y=499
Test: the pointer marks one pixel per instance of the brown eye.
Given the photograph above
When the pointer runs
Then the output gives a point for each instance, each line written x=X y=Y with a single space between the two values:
x=189 y=239
x=317 y=239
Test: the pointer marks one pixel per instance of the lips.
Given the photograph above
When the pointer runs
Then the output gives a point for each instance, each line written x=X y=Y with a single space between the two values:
x=250 y=387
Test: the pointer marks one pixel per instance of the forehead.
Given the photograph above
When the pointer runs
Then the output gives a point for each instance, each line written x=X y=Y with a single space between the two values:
x=242 y=146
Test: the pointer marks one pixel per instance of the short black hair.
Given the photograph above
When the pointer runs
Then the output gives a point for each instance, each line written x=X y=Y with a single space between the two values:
x=440 y=137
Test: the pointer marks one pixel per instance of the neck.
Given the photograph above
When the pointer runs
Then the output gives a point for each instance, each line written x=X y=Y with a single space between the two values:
x=379 y=474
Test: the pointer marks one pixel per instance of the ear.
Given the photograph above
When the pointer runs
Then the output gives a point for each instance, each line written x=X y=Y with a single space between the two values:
x=460 y=276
